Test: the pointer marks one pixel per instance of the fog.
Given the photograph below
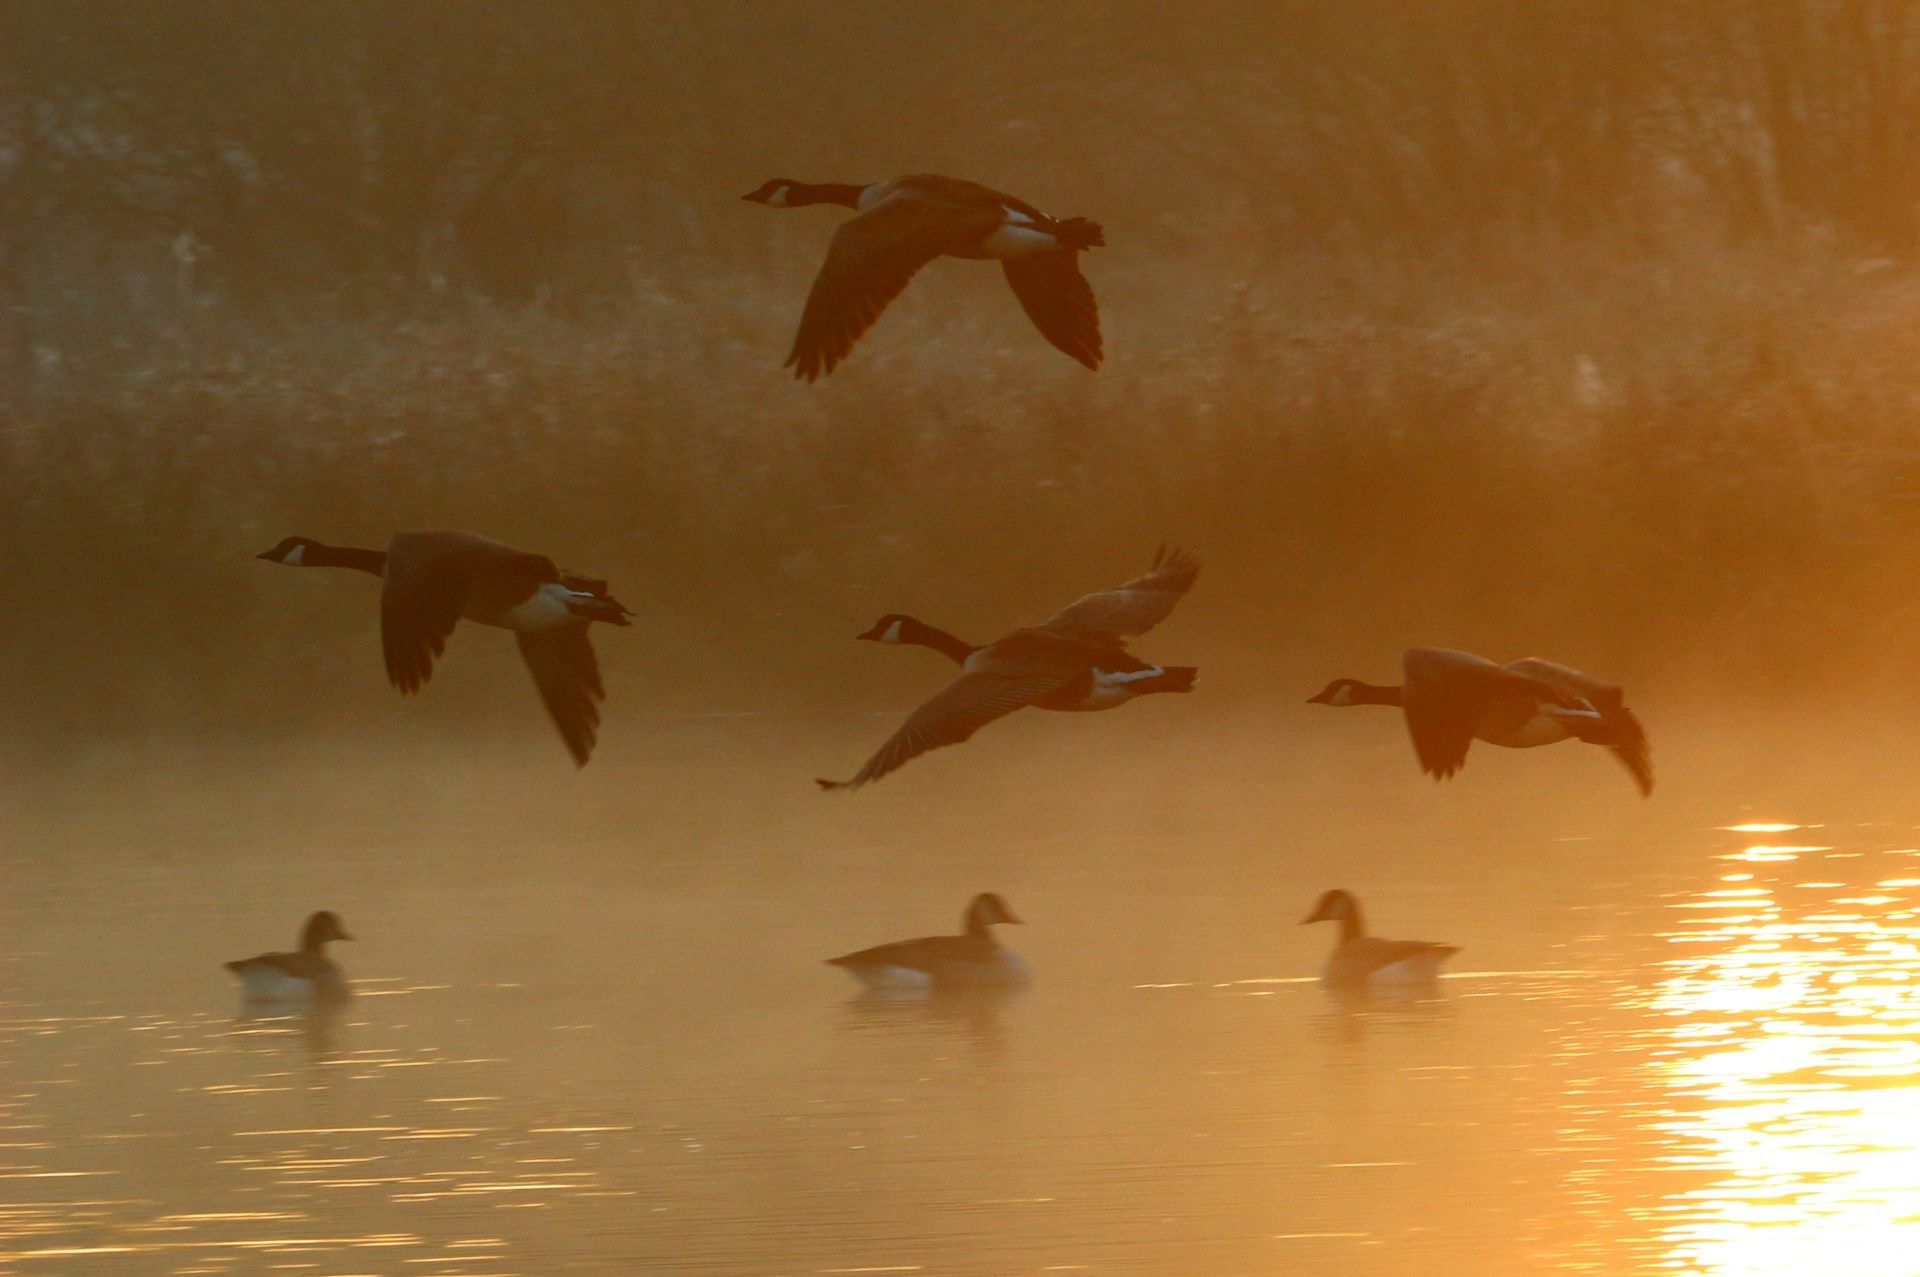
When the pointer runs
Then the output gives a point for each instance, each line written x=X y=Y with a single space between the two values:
x=1578 y=331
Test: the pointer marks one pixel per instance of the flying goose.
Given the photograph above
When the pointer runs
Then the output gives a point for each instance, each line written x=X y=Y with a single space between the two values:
x=306 y=976
x=432 y=579
x=906 y=223
x=972 y=958
x=1450 y=698
x=1077 y=659
x=1359 y=958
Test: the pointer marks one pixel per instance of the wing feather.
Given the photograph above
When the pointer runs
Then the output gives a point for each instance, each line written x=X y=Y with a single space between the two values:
x=567 y=675
x=967 y=704
x=1622 y=732
x=429 y=580
x=1134 y=608
x=870 y=260
x=1059 y=301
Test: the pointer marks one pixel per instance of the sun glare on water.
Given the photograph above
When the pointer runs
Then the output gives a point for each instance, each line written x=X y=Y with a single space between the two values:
x=1793 y=1059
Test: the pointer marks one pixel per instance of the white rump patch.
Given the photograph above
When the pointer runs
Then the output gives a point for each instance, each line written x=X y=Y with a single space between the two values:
x=1422 y=968
x=892 y=977
x=545 y=609
x=268 y=983
x=1014 y=240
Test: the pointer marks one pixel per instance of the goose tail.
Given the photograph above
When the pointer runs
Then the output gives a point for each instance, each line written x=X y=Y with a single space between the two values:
x=1174 y=678
x=599 y=608
x=1080 y=233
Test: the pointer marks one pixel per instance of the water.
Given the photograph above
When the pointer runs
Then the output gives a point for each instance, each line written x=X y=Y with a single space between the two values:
x=595 y=1035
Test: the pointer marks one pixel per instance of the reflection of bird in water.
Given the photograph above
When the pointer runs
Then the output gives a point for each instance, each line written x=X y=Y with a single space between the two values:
x=433 y=579
x=1452 y=699
x=315 y=1027
x=903 y=224
x=296 y=979
x=974 y=1011
x=1359 y=960
x=1077 y=659
x=973 y=959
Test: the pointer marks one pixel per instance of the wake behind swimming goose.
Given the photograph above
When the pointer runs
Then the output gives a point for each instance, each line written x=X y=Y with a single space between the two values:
x=1077 y=659
x=1453 y=698
x=902 y=225
x=972 y=959
x=433 y=579
x=1360 y=959
x=305 y=976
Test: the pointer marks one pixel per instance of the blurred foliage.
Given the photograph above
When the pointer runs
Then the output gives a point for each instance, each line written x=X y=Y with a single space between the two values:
x=1578 y=327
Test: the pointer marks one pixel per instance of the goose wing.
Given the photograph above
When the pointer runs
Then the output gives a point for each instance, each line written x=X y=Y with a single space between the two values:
x=1369 y=954
x=567 y=674
x=1134 y=608
x=429 y=579
x=1019 y=670
x=1059 y=301
x=1621 y=731
x=1446 y=696
x=928 y=953
x=870 y=260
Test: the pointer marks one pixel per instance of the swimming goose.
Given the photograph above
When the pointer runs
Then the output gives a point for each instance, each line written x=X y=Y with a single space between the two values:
x=1452 y=698
x=1077 y=659
x=973 y=957
x=432 y=579
x=306 y=976
x=1359 y=958
x=904 y=224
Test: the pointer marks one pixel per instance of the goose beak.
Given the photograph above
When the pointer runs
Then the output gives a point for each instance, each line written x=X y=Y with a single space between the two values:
x=265 y=554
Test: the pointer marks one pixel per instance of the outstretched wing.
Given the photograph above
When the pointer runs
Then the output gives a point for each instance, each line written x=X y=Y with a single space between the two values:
x=424 y=592
x=428 y=581
x=1621 y=731
x=1446 y=695
x=870 y=260
x=568 y=675
x=1133 y=608
x=1059 y=301
x=969 y=703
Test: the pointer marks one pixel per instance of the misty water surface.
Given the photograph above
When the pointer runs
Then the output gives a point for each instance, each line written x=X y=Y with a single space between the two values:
x=595 y=1035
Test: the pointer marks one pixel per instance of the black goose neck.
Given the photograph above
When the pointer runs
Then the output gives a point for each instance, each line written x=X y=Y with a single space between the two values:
x=920 y=634
x=843 y=193
x=345 y=556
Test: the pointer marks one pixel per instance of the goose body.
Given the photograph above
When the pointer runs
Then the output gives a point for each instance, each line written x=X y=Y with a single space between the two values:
x=304 y=976
x=972 y=959
x=432 y=580
x=1361 y=959
x=1076 y=660
x=1451 y=699
x=902 y=224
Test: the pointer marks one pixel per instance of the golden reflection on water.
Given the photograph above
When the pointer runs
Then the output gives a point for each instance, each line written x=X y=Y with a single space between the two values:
x=1793 y=1046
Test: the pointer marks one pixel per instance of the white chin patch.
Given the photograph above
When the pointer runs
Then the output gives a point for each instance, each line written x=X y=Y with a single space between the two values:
x=779 y=198
x=892 y=635
x=296 y=556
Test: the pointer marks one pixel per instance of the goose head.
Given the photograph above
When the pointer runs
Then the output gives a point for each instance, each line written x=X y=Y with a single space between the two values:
x=894 y=627
x=1334 y=906
x=1339 y=692
x=775 y=191
x=291 y=552
x=988 y=909
x=322 y=928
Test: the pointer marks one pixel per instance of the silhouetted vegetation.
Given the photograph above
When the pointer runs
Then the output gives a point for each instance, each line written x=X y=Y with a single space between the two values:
x=1584 y=328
